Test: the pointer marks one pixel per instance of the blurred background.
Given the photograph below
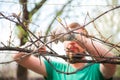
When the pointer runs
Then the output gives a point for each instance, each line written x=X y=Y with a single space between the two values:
x=43 y=16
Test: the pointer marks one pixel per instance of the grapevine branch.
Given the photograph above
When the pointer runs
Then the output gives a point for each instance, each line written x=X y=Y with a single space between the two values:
x=73 y=59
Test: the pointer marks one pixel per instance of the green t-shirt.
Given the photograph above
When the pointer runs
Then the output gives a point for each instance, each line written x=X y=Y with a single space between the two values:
x=91 y=72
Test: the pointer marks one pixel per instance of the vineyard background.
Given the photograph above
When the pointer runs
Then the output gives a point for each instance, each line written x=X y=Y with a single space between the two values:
x=43 y=16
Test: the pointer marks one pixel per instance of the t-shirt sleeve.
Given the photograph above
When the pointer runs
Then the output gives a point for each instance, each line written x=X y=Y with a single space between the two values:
x=49 y=70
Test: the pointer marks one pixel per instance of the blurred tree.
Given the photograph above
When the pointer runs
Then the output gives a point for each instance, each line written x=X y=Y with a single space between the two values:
x=26 y=15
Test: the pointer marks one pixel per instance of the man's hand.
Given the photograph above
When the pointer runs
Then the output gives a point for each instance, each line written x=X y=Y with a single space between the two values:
x=42 y=49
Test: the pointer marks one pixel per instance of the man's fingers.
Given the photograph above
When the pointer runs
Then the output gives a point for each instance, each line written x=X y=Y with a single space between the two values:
x=42 y=49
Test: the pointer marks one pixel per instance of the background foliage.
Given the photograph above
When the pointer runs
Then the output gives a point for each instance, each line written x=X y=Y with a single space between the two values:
x=40 y=16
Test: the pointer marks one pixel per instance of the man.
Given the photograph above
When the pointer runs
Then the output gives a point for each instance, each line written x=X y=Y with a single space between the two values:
x=80 y=45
